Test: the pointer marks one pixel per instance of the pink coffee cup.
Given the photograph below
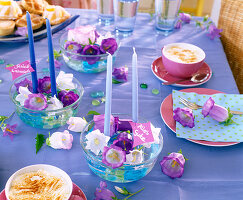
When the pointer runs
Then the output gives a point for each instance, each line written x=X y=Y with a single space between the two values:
x=177 y=67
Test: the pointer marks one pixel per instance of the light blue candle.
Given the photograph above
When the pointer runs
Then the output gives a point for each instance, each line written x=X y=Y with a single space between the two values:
x=51 y=59
x=32 y=53
x=134 y=87
x=108 y=97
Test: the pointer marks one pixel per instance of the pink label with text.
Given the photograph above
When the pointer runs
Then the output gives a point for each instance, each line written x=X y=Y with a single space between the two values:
x=20 y=69
x=141 y=133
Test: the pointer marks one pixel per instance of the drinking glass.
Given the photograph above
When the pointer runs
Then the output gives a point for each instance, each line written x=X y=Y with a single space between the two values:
x=105 y=10
x=166 y=14
x=125 y=15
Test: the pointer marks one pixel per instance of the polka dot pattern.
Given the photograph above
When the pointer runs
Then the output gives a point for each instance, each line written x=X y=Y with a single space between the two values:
x=207 y=128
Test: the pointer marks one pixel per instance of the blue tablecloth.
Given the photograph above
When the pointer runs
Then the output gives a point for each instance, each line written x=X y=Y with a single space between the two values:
x=211 y=173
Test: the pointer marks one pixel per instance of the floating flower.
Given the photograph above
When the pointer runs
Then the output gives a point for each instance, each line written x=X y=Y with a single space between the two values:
x=214 y=32
x=99 y=121
x=73 y=47
x=108 y=45
x=124 y=125
x=134 y=157
x=24 y=83
x=124 y=142
x=184 y=116
x=178 y=24
x=96 y=141
x=91 y=50
x=120 y=74
x=60 y=140
x=113 y=156
x=10 y=130
x=217 y=112
x=83 y=35
x=184 y=17
x=65 y=81
x=103 y=193
x=156 y=133
x=102 y=37
x=55 y=104
x=23 y=95
x=76 y=124
x=23 y=31
x=173 y=165
x=67 y=98
x=36 y=102
x=44 y=85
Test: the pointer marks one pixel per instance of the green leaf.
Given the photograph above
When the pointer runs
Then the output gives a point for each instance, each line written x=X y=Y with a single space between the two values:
x=9 y=65
x=48 y=143
x=3 y=118
x=115 y=81
x=205 y=18
x=90 y=42
x=92 y=112
x=229 y=120
x=40 y=140
x=57 y=54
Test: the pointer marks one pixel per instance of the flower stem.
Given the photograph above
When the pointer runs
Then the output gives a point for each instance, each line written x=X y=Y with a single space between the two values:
x=11 y=115
x=133 y=194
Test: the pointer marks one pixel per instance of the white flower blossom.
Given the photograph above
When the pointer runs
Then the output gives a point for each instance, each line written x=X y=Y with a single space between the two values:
x=23 y=95
x=134 y=157
x=60 y=140
x=65 y=81
x=96 y=141
x=55 y=104
x=76 y=124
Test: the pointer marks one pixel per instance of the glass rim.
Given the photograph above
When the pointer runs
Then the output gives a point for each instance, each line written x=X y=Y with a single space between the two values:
x=44 y=111
x=124 y=165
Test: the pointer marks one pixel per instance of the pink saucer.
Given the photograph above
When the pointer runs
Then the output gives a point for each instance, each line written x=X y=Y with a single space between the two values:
x=161 y=73
x=76 y=191
x=166 y=112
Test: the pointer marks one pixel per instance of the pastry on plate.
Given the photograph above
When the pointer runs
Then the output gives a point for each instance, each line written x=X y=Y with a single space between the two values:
x=9 y=9
x=56 y=14
x=34 y=6
x=36 y=21
x=21 y=7
x=6 y=27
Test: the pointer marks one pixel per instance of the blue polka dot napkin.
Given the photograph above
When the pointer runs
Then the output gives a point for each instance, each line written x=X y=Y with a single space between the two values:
x=207 y=128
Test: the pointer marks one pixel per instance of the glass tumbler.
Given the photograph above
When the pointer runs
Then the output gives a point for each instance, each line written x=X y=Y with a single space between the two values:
x=105 y=10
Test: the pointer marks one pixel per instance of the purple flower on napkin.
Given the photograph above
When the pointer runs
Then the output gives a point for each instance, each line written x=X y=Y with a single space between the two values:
x=184 y=17
x=36 y=102
x=24 y=83
x=103 y=193
x=113 y=156
x=23 y=31
x=173 y=165
x=184 y=116
x=108 y=45
x=10 y=130
x=120 y=74
x=44 y=85
x=67 y=97
x=124 y=142
x=214 y=32
x=91 y=50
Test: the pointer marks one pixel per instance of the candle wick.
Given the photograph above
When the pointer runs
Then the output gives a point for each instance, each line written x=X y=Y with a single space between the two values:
x=134 y=50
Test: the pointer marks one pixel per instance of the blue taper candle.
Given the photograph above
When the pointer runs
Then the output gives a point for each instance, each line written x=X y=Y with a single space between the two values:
x=32 y=53
x=134 y=87
x=51 y=59
x=108 y=97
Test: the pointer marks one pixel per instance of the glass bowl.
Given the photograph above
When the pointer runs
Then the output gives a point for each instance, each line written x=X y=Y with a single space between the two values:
x=42 y=118
x=77 y=61
x=127 y=172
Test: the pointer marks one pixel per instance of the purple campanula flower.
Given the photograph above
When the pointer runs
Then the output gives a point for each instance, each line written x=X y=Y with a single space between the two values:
x=67 y=97
x=215 y=111
x=184 y=17
x=108 y=45
x=36 y=102
x=73 y=47
x=173 y=165
x=124 y=142
x=120 y=74
x=184 y=116
x=91 y=50
x=22 y=31
x=178 y=24
x=24 y=83
x=103 y=193
x=113 y=156
x=214 y=32
x=10 y=131
x=124 y=126
x=44 y=85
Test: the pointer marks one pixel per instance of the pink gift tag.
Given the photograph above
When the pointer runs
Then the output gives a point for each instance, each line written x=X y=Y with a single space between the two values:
x=141 y=133
x=20 y=69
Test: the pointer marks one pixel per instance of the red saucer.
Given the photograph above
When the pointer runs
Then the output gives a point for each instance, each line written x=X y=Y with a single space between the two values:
x=76 y=191
x=160 y=72
x=166 y=112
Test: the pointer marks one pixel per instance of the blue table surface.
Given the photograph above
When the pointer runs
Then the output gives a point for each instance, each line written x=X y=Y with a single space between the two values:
x=211 y=173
